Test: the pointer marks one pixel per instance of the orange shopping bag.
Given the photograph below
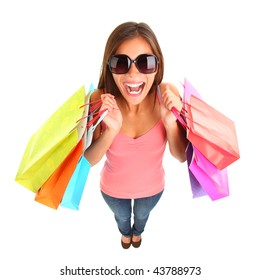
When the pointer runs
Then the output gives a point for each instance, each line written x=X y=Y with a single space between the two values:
x=52 y=191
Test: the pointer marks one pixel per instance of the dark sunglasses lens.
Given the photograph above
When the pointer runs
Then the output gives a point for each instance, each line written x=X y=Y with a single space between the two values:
x=119 y=64
x=147 y=64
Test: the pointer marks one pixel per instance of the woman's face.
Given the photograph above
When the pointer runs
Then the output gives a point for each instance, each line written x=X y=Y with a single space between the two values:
x=134 y=86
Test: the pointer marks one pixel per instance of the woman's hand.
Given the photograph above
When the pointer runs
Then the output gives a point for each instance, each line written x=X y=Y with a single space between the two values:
x=169 y=100
x=113 y=119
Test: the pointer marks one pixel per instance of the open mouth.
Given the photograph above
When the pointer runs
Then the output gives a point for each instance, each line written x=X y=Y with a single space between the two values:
x=134 y=89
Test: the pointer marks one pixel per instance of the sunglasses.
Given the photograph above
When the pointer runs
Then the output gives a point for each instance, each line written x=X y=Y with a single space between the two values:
x=121 y=63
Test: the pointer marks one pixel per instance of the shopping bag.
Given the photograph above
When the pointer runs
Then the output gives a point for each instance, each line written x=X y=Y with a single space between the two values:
x=53 y=141
x=189 y=90
x=52 y=191
x=213 y=181
x=196 y=188
x=76 y=185
x=210 y=131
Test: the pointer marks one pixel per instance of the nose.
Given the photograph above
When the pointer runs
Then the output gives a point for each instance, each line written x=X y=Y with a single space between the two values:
x=133 y=69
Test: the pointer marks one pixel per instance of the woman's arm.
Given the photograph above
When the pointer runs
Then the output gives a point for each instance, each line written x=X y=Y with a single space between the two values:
x=103 y=139
x=98 y=148
x=177 y=141
x=176 y=135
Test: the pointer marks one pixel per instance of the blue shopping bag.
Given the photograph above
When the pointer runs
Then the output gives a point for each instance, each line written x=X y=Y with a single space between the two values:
x=73 y=193
x=72 y=196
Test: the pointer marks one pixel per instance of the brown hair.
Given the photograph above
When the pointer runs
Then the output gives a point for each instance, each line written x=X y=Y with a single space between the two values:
x=125 y=31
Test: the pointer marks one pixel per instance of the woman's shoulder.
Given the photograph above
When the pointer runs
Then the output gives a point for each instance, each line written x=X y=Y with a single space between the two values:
x=172 y=87
x=96 y=95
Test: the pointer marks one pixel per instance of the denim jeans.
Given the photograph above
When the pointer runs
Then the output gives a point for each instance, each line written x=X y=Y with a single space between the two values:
x=122 y=209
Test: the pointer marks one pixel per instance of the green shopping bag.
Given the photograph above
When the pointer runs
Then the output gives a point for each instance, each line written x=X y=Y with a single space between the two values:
x=53 y=141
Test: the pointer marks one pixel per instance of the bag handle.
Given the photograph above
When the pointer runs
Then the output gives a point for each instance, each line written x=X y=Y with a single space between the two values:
x=96 y=104
x=174 y=110
x=99 y=116
x=95 y=116
x=178 y=115
x=99 y=119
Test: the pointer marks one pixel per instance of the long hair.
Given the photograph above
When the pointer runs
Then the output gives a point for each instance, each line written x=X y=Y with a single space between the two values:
x=125 y=31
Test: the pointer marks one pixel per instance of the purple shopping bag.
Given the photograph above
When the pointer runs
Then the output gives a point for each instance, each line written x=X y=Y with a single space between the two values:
x=196 y=188
x=213 y=181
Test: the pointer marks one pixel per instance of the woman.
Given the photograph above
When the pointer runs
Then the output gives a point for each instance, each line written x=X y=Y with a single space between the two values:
x=134 y=133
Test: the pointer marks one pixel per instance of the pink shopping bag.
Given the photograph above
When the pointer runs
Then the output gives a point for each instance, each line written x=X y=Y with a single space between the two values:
x=213 y=133
x=213 y=181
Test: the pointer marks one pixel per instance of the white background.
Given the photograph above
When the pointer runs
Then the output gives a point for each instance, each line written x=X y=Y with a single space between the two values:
x=48 y=50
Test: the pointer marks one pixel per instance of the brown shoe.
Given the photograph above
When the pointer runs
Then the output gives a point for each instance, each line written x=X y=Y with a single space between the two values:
x=137 y=244
x=125 y=245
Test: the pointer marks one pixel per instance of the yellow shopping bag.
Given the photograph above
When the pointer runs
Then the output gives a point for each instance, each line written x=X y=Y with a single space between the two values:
x=53 y=141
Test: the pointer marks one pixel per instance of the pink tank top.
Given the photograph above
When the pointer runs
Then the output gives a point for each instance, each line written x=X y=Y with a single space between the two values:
x=133 y=168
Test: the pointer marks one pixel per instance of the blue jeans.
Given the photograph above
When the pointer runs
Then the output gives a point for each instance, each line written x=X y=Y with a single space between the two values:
x=122 y=209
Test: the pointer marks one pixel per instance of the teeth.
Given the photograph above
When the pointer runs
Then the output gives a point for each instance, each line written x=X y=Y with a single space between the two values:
x=134 y=89
x=134 y=85
x=135 y=92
